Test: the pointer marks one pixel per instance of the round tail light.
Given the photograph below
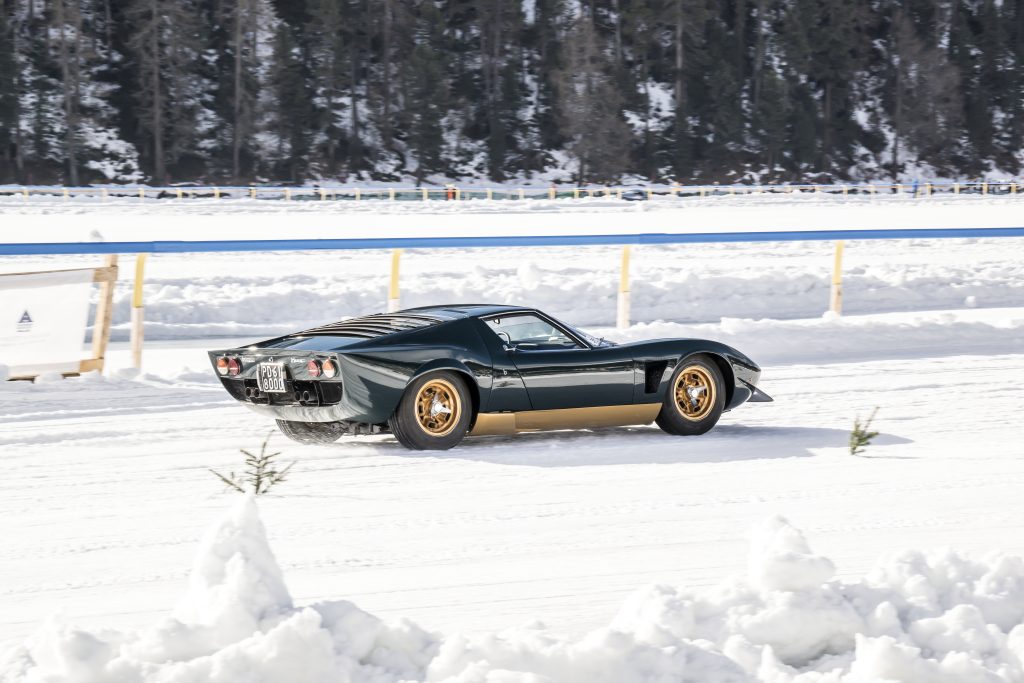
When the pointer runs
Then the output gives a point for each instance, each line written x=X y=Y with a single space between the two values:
x=234 y=366
x=330 y=369
x=313 y=368
x=222 y=366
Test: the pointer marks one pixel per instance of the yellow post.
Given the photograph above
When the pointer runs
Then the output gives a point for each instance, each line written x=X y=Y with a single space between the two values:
x=323 y=194
x=928 y=189
x=103 y=193
x=287 y=193
x=675 y=189
x=522 y=194
x=458 y=193
x=142 y=193
x=618 y=193
x=551 y=192
x=179 y=193
x=490 y=193
x=391 y=193
x=137 y=312
x=650 y=193
x=836 y=304
x=24 y=193
x=426 y=194
x=846 y=190
x=702 y=193
x=359 y=194
x=394 y=295
x=622 y=321
x=984 y=187
x=252 y=192
x=956 y=188
x=575 y=193
x=67 y=195
x=1013 y=187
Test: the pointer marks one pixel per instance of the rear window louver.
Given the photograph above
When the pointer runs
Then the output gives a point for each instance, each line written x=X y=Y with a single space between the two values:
x=370 y=326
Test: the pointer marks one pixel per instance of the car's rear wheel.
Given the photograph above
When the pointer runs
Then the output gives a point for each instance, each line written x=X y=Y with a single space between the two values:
x=695 y=398
x=311 y=433
x=434 y=412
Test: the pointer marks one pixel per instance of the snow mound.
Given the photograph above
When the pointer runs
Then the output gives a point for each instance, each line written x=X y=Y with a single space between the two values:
x=922 y=617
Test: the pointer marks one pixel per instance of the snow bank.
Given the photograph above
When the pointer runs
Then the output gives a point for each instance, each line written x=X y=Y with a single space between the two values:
x=922 y=617
x=851 y=338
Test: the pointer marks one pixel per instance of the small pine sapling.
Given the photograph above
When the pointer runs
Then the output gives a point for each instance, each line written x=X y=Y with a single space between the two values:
x=861 y=436
x=261 y=472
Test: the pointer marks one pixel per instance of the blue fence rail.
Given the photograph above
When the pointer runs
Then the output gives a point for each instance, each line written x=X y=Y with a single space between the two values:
x=207 y=246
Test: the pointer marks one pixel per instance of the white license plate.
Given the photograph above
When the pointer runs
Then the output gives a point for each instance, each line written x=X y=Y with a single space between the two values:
x=270 y=377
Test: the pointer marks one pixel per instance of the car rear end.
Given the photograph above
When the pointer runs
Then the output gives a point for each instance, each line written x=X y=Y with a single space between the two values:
x=280 y=377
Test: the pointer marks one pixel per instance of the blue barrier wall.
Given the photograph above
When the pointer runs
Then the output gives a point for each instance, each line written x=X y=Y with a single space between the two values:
x=197 y=246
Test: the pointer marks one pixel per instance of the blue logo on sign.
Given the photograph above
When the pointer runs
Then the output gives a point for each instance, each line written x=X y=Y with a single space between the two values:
x=25 y=322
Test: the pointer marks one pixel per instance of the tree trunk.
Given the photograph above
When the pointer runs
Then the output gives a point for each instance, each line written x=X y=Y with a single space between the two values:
x=69 y=90
x=386 y=59
x=355 y=144
x=759 y=50
x=680 y=90
x=618 y=32
x=236 y=138
x=159 y=168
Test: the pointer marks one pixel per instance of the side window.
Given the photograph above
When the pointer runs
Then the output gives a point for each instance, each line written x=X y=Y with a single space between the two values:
x=530 y=332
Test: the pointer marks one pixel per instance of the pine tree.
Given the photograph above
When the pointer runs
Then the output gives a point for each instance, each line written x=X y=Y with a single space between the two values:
x=9 y=100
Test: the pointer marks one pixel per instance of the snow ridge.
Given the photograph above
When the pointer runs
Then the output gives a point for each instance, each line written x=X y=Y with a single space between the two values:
x=924 y=617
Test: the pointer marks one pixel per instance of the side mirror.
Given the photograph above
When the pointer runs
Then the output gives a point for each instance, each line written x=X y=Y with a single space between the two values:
x=506 y=341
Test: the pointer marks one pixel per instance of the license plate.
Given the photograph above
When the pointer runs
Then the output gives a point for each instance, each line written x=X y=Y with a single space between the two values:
x=270 y=378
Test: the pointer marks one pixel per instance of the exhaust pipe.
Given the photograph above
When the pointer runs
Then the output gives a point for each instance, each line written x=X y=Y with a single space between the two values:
x=307 y=397
x=251 y=392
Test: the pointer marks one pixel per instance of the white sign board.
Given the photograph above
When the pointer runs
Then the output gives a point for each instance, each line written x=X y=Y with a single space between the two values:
x=42 y=320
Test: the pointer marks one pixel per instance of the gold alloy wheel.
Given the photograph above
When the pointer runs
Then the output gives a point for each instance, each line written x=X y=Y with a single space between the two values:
x=438 y=407
x=695 y=393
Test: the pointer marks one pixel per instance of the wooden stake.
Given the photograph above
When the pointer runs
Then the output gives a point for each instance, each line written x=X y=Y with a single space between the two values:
x=394 y=293
x=836 y=304
x=104 y=314
x=138 y=317
x=622 y=321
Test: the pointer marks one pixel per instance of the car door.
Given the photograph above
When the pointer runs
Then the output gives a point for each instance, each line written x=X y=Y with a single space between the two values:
x=560 y=370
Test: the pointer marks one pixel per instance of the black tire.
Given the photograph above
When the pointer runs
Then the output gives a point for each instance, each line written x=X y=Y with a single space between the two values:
x=704 y=389
x=419 y=422
x=311 y=433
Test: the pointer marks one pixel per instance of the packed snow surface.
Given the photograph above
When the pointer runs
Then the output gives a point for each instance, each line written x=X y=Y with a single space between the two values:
x=923 y=617
x=106 y=480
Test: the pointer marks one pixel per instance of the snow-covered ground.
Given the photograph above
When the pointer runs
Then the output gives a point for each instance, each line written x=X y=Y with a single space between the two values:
x=106 y=492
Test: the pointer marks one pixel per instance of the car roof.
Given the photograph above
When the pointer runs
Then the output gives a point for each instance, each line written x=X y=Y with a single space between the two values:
x=455 y=311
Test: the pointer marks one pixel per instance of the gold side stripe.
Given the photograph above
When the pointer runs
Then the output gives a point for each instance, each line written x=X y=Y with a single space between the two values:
x=567 y=418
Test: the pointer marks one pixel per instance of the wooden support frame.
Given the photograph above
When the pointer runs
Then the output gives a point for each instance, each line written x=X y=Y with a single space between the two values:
x=106 y=277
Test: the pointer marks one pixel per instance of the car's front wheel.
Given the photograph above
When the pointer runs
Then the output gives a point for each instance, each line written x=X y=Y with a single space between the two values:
x=695 y=398
x=311 y=433
x=434 y=412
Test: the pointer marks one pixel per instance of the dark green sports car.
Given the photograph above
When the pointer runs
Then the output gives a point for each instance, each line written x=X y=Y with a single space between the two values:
x=432 y=375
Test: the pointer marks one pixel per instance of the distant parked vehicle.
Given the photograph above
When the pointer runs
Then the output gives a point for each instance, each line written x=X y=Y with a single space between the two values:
x=432 y=376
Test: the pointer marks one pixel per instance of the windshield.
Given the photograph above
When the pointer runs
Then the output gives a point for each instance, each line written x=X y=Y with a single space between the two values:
x=596 y=342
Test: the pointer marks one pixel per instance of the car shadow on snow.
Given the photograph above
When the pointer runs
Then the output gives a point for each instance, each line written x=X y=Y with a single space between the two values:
x=649 y=445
